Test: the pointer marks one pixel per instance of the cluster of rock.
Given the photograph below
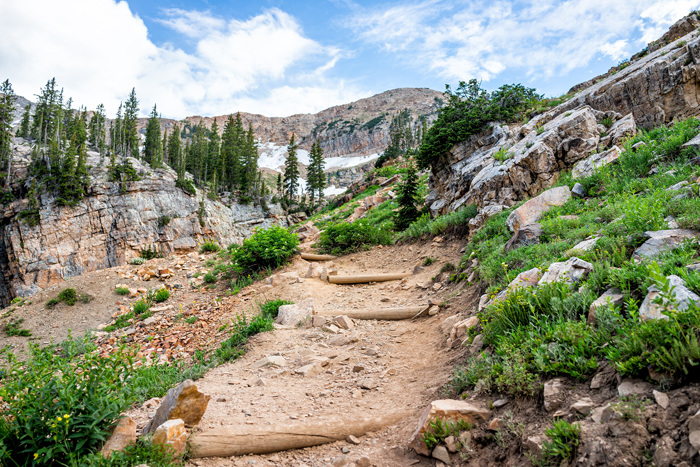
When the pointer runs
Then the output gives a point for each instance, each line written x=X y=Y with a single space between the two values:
x=114 y=223
x=182 y=408
x=583 y=134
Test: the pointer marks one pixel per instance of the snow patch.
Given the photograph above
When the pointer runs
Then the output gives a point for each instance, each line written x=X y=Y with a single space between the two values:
x=273 y=155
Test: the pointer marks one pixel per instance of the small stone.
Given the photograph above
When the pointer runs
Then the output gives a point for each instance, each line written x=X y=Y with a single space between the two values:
x=182 y=402
x=344 y=450
x=357 y=368
x=353 y=440
x=694 y=439
x=634 y=387
x=465 y=439
x=433 y=310
x=440 y=453
x=363 y=462
x=437 y=286
x=452 y=444
x=583 y=406
x=496 y=424
x=274 y=361
x=578 y=191
x=553 y=394
x=173 y=434
x=260 y=382
x=367 y=383
x=344 y=322
x=500 y=403
x=318 y=321
x=661 y=398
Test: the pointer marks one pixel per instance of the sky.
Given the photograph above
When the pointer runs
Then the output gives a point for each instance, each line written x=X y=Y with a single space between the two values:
x=283 y=57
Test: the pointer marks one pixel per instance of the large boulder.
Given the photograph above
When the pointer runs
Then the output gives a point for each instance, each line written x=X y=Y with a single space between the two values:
x=183 y=402
x=611 y=297
x=531 y=212
x=450 y=411
x=572 y=271
x=525 y=236
x=589 y=165
x=683 y=296
x=661 y=241
x=123 y=435
x=295 y=314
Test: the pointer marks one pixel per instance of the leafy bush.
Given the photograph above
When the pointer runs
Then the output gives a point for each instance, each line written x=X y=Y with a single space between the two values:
x=455 y=222
x=68 y=296
x=13 y=328
x=138 y=261
x=210 y=278
x=564 y=440
x=163 y=221
x=142 y=452
x=348 y=237
x=140 y=307
x=209 y=247
x=266 y=248
x=271 y=308
x=122 y=290
x=150 y=253
x=161 y=295
x=186 y=185
x=440 y=429
x=469 y=110
x=59 y=405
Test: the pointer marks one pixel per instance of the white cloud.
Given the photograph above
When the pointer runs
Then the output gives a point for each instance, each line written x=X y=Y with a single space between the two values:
x=98 y=50
x=483 y=38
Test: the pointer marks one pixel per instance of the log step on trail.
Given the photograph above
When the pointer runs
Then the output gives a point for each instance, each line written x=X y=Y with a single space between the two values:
x=314 y=257
x=240 y=440
x=367 y=278
x=386 y=314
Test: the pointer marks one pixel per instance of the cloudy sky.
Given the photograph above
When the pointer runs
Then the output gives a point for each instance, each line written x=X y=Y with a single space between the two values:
x=280 y=57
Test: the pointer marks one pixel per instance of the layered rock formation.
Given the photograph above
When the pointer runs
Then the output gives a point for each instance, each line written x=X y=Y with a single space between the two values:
x=655 y=89
x=113 y=224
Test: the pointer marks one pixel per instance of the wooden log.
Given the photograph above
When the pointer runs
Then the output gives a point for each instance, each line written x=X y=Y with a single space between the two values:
x=367 y=278
x=240 y=440
x=314 y=257
x=388 y=314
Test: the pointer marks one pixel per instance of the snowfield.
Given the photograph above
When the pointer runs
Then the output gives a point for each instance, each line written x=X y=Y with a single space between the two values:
x=273 y=155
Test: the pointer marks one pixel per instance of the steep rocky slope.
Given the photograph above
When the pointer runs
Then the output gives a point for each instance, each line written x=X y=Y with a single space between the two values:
x=112 y=224
x=654 y=89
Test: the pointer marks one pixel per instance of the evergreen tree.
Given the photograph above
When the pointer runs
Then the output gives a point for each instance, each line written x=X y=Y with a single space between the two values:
x=130 y=126
x=291 y=171
x=116 y=135
x=175 y=149
x=48 y=109
x=213 y=157
x=25 y=124
x=152 y=148
x=316 y=179
x=407 y=198
x=97 y=129
x=7 y=107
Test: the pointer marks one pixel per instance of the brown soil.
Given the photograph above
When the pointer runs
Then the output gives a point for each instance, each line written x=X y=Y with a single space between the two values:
x=406 y=360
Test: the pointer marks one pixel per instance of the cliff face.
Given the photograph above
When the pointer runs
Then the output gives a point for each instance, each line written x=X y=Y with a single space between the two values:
x=113 y=224
x=658 y=88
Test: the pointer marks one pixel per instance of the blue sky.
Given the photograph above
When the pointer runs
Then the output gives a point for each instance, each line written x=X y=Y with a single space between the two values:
x=283 y=57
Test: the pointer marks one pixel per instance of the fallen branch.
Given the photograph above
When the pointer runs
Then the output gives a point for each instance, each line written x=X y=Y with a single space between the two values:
x=314 y=257
x=239 y=440
x=387 y=314
x=367 y=278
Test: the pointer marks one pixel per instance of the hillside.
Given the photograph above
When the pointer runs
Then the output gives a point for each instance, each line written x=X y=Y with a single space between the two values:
x=543 y=310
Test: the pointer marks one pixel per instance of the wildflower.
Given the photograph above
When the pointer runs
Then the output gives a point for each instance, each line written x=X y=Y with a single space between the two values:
x=58 y=419
x=36 y=456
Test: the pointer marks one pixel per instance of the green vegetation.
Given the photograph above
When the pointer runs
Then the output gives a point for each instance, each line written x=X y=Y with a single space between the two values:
x=316 y=178
x=140 y=307
x=347 y=237
x=122 y=290
x=143 y=452
x=502 y=154
x=440 y=429
x=138 y=261
x=265 y=249
x=543 y=332
x=14 y=328
x=456 y=222
x=291 y=171
x=407 y=199
x=162 y=295
x=68 y=296
x=61 y=401
x=561 y=447
x=209 y=247
x=468 y=111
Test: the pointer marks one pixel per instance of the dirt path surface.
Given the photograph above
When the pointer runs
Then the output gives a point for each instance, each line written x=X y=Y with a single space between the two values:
x=376 y=369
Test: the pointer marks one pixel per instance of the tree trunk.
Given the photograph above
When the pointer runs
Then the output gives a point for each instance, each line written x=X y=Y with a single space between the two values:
x=389 y=314
x=367 y=278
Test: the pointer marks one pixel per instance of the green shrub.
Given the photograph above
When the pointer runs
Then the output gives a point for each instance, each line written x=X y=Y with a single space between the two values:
x=455 y=222
x=440 y=429
x=140 y=307
x=162 y=295
x=348 y=237
x=428 y=261
x=210 y=278
x=502 y=154
x=186 y=185
x=122 y=290
x=13 y=328
x=122 y=321
x=209 y=247
x=270 y=308
x=163 y=221
x=58 y=406
x=469 y=110
x=265 y=249
x=138 y=261
x=142 y=452
x=564 y=440
x=68 y=296
x=52 y=302
x=150 y=253
x=191 y=320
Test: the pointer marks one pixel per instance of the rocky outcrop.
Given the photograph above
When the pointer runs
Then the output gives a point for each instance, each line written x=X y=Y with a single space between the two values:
x=113 y=224
x=657 y=88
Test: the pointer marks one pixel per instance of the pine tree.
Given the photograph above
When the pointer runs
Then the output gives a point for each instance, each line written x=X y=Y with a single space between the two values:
x=316 y=179
x=152 y=150
x=407 y=198
x=97 y=129
x=46 y=114
x=175 y=149
x=291 y=171
x=213 y=156
x=130 y=126
x=25 y=124
x=7 y=107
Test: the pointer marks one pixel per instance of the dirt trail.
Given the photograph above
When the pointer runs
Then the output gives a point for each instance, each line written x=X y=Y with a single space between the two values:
x=380 y=367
